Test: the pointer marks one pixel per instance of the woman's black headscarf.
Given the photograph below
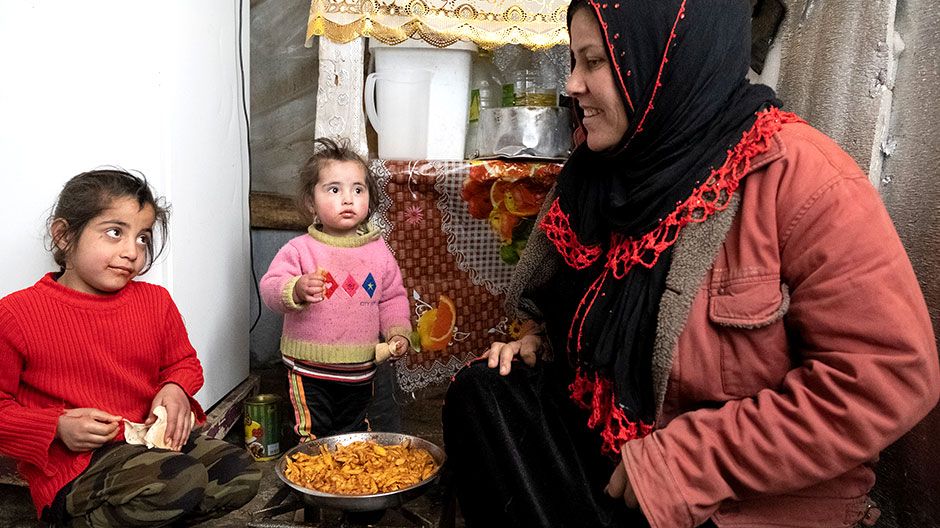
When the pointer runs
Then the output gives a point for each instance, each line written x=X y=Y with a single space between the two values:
x=681 y=68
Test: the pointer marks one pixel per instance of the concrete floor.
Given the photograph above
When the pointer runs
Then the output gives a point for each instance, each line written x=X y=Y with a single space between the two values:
x=420 y=416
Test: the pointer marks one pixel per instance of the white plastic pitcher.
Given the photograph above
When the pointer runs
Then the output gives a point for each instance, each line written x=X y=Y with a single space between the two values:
x=449 y=96
x=397 y=106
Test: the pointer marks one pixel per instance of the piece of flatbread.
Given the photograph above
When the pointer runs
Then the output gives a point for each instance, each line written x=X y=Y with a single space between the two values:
x=134 y=432
x=151 y=435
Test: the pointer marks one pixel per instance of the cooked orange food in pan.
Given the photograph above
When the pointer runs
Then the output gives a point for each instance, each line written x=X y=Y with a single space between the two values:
x=361 y=468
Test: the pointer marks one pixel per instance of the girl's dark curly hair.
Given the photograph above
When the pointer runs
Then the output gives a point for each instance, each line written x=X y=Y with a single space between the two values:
x=89 y=194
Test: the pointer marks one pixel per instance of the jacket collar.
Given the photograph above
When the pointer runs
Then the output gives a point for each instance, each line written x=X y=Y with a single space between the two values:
x=775 y=150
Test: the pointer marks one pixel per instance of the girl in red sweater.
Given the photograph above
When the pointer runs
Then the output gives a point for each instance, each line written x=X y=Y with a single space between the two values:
x=87 y=348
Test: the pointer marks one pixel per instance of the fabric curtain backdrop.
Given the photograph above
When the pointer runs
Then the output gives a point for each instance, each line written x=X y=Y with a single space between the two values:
x=535 y=24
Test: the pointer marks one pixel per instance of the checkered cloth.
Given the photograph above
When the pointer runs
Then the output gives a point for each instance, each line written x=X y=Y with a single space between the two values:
x=441 y=249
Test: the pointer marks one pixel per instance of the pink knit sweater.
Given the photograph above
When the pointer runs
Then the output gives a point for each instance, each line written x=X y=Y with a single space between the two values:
x=365 y=299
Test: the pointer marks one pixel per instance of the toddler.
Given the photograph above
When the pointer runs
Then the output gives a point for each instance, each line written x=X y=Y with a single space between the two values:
x=87 y=348
x=341 y=293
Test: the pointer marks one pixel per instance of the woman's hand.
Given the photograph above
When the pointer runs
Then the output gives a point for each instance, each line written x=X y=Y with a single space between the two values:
x=399 y=344
x=501 y=354
x=178 y=421
x=309 y=288
x=86 y=429
x=619 y=486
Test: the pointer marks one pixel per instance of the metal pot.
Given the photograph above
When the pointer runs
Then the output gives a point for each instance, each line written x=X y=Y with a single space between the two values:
x=525 y=132
x=359 y=503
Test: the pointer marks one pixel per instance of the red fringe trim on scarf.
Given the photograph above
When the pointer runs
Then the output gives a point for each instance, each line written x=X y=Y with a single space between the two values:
x=595 y=393
x=557 y=227
x=712 y=196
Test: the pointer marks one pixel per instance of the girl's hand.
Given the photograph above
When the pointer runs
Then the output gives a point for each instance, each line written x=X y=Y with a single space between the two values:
x=86 y=429
x=501 y=354
x=178 y=422
x=619 y=486
x=399 y=346
x=309 y=288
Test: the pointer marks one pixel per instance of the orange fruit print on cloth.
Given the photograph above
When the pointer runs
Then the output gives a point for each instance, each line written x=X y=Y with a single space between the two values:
x=436 y=326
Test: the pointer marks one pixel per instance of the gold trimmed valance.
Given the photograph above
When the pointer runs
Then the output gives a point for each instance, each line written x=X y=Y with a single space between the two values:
x=535 y=24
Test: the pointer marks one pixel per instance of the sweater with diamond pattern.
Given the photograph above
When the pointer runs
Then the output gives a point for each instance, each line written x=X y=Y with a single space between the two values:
x=365 y=299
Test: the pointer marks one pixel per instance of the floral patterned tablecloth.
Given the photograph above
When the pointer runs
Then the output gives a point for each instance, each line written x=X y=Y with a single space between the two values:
x=457 y=229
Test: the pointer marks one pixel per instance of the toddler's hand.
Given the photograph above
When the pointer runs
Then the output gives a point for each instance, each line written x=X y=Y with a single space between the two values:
x=86 y=429
x=399 y=346
x=309 y=288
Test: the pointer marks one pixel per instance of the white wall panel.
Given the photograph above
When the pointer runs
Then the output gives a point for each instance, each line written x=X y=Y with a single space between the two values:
x=148 y=86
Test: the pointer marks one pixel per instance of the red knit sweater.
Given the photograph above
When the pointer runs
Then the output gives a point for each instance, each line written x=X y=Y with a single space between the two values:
x=63 y=349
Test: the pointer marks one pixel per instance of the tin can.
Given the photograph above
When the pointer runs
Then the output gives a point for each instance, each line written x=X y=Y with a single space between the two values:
x=263 y=426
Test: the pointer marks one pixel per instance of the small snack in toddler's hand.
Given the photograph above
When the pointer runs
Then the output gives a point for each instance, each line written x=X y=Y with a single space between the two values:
x=150 y=435
x=383 y=351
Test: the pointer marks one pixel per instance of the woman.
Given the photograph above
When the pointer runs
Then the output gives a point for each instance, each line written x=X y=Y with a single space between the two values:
x=735 y=327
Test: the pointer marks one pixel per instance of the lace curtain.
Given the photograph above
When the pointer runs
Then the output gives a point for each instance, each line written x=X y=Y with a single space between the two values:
x=535 y=24
x=339 y=93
